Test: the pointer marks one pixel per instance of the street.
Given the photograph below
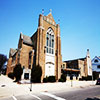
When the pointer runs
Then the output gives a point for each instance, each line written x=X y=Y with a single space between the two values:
x=83 y=93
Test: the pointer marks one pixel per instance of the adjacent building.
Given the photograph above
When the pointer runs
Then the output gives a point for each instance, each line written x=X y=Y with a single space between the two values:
x=96 y=66
x=96 y=63
x=78 y=68
x=42 y=48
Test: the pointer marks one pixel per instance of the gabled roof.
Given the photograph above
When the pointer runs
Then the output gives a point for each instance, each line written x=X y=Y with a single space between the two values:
x=76 y=59
x=50 y=17
x=12 y=51
x=26 y=39
x=96 y=57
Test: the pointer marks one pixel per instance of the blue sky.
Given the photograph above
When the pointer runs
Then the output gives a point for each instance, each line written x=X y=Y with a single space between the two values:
x=79 y=24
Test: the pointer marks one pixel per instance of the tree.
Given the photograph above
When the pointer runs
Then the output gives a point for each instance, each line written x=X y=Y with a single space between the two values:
x=18 y=71
x=11 y=75
x=36 y=74
x=3 y=60
x=63 y=78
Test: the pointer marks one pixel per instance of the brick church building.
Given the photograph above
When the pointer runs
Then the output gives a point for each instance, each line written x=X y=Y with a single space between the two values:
x=42 y=48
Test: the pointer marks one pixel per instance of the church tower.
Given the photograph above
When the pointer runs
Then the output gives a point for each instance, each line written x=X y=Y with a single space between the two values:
x=48 y=47
x=89 y=64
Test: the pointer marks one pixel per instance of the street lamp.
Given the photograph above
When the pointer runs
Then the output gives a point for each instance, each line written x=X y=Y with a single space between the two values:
x=80 y=72
x=30 y=73
x=92 y=75
x=30 y=85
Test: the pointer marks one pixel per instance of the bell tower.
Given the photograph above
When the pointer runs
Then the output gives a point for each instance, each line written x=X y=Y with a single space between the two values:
x=89 y=64
x=48 y=51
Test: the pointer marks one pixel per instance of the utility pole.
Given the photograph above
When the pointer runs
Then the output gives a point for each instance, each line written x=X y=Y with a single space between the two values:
x=92 y=75
x=30 y=85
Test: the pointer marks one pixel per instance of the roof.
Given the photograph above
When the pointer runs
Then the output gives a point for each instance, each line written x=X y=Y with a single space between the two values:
x=26 y=39
x=75 y=59
x=12 y=51
x=96 y=57
x=50 y=16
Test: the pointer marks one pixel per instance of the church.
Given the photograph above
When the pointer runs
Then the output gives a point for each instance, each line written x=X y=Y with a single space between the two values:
x=78 y=69
x=42 y=48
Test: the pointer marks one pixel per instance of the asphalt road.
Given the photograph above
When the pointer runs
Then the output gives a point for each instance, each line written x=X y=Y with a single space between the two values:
x=86 y=93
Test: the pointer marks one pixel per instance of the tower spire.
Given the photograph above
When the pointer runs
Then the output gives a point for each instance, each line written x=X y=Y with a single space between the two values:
x=42 y=11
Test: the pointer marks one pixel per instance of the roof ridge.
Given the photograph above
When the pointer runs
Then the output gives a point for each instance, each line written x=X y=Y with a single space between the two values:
x=75 y=59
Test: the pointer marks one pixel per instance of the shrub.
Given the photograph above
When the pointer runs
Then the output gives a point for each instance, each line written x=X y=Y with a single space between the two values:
x=51 y=79
x=63 y=78
x=18 y=71
x=11 y=75
x=36 y=74
x=45 y=80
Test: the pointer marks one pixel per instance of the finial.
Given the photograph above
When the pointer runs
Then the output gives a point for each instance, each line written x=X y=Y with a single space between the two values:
x=87 y=49
x=50 y=10
x=58 y=21
x=20 y=32
x=88 y=54
x=42 y=11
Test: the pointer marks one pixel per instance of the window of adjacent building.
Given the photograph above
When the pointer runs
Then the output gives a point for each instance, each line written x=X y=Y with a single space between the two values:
x=98 y=66
x=96 y=61
x=50 y=41
x=63 y=65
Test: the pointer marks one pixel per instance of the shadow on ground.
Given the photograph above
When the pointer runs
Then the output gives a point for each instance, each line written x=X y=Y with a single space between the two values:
x=92 y=99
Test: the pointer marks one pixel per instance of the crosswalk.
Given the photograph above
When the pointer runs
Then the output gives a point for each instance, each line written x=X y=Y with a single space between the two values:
x=53 y=96
x=38 y=96
x=14 y=97
x=35 y=96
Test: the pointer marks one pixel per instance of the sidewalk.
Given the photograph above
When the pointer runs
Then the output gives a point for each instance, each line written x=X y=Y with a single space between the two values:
x=9 y=88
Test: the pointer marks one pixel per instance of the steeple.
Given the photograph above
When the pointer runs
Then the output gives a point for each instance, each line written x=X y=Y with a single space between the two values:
x=88 y=54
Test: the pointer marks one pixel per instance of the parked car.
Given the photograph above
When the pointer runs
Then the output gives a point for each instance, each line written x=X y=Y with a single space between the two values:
x=98 y=81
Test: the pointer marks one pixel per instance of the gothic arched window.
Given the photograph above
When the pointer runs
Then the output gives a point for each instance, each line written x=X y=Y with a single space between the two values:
x=50 y=41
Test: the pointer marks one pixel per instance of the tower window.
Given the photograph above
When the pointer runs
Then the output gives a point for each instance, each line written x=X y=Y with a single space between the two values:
x=50 y=41
x=47 y=50
x=52 y=51
x=47 y=41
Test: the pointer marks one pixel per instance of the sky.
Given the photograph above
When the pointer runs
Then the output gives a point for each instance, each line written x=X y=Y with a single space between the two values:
x=79 y=24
